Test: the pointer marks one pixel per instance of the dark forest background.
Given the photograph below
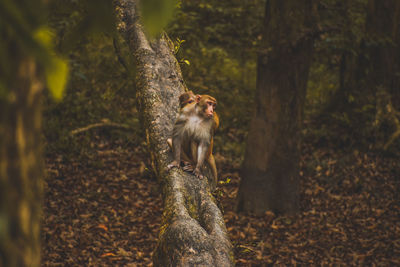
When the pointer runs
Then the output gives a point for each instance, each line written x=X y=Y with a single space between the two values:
x=351 y=89
x=98 y=182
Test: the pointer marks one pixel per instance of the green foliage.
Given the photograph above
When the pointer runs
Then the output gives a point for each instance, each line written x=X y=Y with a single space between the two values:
x=82 y=19
x=322 y=85
x=227 y=181
x=221 y=43
x=221 y=39
x=23 y=31
x=99 y=88
x=342 y=98
x=343 y=25
x=177 y=45
x=91 y=97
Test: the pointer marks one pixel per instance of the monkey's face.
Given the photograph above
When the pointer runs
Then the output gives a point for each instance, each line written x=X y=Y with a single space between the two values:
x=209 y=107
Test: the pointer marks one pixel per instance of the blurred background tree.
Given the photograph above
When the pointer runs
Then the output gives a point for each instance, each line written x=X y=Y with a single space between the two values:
x=27 y=60
x=270 y=172
x=30 y=63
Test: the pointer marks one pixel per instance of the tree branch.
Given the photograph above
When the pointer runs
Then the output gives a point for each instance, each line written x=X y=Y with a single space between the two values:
x=103 y=124
x=193 y=231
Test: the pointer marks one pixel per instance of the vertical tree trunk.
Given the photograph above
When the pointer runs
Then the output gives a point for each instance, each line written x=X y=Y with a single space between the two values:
x=349 y=71
x=20 y=166
x=270 y=172
x=383 y=32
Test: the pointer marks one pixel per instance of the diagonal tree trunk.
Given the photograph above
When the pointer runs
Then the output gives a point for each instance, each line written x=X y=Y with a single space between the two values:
x=193 y=231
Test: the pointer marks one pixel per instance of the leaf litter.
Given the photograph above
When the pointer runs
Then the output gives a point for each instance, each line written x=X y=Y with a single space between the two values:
x=106 y=211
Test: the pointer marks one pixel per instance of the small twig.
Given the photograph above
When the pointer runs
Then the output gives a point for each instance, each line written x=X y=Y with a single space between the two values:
x=104 y=124
x=392 y=138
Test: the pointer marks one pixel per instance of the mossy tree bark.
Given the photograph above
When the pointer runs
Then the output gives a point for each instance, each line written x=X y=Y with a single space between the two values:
x=21 y=168
x=193 y=231
x=270 y=172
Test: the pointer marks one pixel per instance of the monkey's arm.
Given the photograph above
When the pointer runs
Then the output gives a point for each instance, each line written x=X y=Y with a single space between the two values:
x=193 y=150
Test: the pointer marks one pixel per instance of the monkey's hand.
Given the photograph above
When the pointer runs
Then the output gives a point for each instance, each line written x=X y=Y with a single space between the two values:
x=172 y=165
x=198 y=174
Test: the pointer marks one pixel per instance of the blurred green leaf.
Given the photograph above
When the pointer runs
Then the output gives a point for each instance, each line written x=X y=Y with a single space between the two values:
x=45 y=37
x=56 y=69
x=56 y=76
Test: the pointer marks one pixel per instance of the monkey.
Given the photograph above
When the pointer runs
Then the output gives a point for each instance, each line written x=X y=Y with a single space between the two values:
x=188 y=98
x=193 y=133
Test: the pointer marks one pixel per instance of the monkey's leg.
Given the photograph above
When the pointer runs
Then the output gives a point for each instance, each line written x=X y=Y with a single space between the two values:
x=188 y=164
x=213 y=166
x=202 y=149
x=176 y=151
x=193 y=150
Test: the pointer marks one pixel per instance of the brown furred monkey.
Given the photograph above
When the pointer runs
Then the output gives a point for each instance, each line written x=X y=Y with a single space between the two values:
x=193 y=132
x=186 y=98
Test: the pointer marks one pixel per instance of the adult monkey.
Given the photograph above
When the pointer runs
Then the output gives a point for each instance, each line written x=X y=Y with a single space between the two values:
x=193 y=132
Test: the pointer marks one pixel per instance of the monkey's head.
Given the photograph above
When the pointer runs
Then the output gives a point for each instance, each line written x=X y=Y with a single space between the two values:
x=207 y=105
x=186 y=98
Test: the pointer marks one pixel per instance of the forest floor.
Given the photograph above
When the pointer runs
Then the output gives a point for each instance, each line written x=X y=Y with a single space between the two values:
x=104 y=209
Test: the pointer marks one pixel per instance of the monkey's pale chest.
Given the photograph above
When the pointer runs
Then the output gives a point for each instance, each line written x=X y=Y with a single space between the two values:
x=196 y=128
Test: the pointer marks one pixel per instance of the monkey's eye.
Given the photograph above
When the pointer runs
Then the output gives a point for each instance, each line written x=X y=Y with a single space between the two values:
x=190 y=101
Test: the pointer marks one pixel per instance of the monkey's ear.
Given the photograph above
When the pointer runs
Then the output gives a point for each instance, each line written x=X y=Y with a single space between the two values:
x=198 y=97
